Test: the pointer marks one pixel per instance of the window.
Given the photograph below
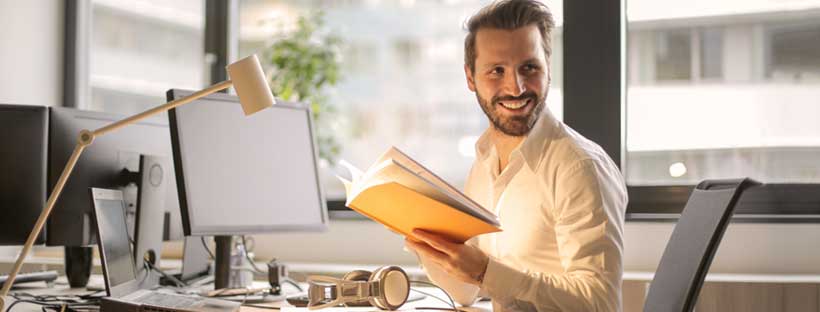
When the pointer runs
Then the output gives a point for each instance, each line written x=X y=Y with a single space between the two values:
x=673 y=55
x=402 y=80
x=711 y=53
x=140 y=49
x=794 y=53
x=725 y=90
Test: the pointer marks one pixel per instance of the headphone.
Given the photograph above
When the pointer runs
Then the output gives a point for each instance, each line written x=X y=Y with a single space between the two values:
x=386 y=288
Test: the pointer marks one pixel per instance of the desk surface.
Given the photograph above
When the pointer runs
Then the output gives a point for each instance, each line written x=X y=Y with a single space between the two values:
x=44 y=263
x=61 y=288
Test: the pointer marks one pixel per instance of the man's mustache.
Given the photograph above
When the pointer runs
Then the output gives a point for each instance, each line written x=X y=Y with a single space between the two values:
x=526 y=95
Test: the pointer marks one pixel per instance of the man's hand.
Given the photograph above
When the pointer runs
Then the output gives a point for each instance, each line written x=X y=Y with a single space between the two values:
x=464 y=262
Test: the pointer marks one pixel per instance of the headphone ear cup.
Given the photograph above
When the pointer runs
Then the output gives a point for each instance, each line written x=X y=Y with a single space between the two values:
x=358 y=276
x=394 y=288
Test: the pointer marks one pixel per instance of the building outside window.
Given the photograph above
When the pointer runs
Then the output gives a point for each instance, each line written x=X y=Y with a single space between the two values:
x=722 y=89
x=140 y=49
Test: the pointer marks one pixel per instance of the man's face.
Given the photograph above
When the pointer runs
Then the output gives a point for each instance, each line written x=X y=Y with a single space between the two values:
x=511 y=77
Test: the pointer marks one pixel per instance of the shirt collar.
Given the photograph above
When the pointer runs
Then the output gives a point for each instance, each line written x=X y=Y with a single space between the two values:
x=531 y=148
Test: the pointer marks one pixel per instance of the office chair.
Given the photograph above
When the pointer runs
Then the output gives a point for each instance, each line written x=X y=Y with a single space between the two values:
x=692 y=246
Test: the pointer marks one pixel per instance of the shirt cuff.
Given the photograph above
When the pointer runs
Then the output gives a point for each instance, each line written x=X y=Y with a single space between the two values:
x=501 y=281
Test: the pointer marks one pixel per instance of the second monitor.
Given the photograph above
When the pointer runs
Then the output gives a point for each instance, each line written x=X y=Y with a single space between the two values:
x=241 y=175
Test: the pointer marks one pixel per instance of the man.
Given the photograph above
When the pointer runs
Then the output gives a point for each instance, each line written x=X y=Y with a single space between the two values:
x=559 y=198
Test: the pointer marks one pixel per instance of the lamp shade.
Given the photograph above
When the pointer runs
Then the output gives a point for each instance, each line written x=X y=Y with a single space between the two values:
x=250 y=84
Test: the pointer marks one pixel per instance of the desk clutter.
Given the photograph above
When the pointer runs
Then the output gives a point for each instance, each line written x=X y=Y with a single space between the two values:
x=56 y=296
x=209 y=170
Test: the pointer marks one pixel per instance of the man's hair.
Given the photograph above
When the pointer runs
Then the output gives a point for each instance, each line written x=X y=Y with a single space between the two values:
x=508 y=15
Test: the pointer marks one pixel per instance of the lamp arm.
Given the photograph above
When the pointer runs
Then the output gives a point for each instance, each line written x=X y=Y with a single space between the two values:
x=38 y=226
x=85 y=139
x=162 y=108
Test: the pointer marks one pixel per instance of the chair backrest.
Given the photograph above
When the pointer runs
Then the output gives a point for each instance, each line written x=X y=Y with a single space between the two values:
x=690 y=250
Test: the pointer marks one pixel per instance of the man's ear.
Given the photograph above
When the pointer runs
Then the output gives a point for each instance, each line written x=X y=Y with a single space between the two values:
x=470 y=79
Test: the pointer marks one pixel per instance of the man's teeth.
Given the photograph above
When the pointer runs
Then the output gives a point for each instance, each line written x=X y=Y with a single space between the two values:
x=515 y=105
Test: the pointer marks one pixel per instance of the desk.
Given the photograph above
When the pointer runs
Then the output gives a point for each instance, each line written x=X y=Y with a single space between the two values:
x=721 y=292
x=61 y=288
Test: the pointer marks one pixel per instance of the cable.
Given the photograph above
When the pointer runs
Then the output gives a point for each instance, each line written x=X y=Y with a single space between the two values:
x=290 y=281
x=166 y=275
x=451 y=303
x=87 y=302
x=260 y=306
x=248 y=256
x=147 y=270
x=437 y=298
x=208 y=249
x=260 y=271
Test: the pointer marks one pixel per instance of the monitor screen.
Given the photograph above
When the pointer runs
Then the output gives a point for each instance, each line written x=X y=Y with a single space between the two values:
x=240 y=174
x=24 y=132
x=114 y=244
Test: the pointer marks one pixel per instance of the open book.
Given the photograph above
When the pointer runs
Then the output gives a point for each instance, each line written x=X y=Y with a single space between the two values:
x=401 y=194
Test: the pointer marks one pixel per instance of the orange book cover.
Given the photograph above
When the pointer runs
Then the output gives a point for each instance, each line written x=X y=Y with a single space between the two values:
x=403 y=195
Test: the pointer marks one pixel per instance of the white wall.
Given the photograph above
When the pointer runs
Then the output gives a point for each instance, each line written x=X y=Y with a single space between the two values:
x=31 y=56
x=746 y=248
x=31 y=52
x=346 y=241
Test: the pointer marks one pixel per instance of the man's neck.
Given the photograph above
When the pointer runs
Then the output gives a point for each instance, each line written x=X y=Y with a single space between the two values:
x=504 y=145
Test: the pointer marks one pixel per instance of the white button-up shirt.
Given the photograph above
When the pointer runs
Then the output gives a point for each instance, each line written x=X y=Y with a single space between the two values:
x=561 y=203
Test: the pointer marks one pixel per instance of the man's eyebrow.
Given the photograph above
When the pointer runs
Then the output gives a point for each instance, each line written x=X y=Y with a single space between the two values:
x=533 y=60
x=493 y=64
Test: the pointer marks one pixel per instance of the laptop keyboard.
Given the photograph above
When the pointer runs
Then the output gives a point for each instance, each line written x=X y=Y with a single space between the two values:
x=167 y=300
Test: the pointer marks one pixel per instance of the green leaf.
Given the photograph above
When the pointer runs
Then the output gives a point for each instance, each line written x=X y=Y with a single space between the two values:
x=304 y=63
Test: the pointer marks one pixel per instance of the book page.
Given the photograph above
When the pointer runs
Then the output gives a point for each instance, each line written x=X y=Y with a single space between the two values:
x=355 y=173
x=402 y=158
x=373 y=176
x=347 y=185
x=392 y=171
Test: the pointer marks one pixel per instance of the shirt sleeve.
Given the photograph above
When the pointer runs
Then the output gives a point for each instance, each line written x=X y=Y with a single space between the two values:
x=590 y=201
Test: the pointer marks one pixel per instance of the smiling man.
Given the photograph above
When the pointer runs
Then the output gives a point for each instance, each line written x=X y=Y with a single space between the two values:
x=560 y=199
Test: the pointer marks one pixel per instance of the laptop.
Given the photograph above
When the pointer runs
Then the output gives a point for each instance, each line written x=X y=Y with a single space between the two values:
x=119 y=274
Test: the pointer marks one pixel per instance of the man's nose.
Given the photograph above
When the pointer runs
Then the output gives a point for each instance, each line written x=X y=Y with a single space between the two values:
x=514 y=84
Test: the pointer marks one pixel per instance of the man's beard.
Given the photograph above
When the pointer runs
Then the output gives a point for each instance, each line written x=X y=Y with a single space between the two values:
x=513 y=125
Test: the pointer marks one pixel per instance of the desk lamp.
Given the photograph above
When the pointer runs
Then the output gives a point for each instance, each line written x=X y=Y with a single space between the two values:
x=254 y=95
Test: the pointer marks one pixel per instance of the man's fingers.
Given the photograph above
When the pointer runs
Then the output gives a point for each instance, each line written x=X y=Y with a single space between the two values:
x=428 y=252
x=436 y=242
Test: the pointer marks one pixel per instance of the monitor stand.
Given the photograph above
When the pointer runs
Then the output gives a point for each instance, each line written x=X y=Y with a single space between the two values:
x=222 y=274
x=222 y=270
x=196 y=264
x=149 y=218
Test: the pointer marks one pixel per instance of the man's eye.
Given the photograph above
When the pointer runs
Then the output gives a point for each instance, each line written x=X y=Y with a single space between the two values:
x=497 y=71
x=530 y=68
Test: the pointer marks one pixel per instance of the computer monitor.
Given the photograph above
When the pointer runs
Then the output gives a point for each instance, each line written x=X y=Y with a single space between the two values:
x=24 y=134
x=240 y=174
x=100 y=165
x=154 y=177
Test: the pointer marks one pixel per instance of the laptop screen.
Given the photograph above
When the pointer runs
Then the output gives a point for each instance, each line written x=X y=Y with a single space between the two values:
x=113 y=239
